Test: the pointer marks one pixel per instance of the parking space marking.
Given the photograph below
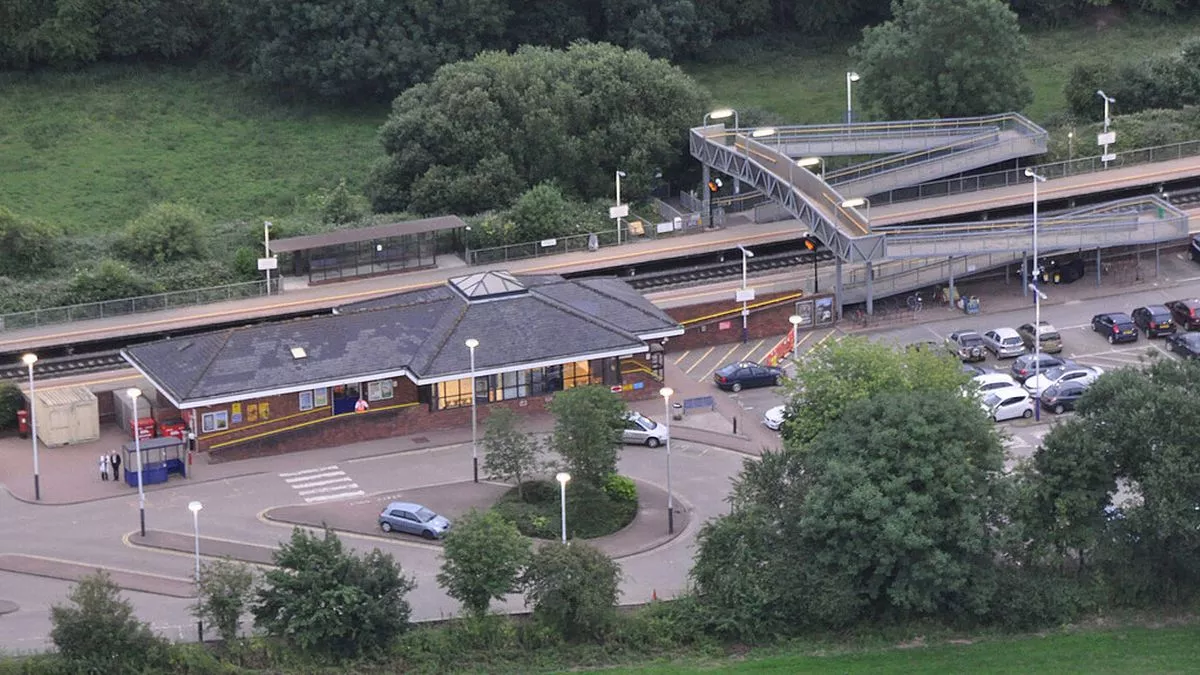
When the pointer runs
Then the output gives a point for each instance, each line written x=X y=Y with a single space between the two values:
x=750 y=355
x=699 y=361
x=682 y=356
x=720 y=361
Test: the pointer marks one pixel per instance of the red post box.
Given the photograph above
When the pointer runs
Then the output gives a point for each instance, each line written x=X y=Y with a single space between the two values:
x=23 y=423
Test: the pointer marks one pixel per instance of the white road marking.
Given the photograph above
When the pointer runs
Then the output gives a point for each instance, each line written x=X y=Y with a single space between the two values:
x=333 y=488
x=322 y=485
x=340 y=495
x=318 y=483
x=327 y=474
x=307 y=471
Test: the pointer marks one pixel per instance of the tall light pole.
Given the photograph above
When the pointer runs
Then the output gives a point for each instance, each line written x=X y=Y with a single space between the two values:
x=562 y=477
x=195 y=507
x=30 y=359
x=134 y=394
x=620 y=175
x=472 y=343
x=1070 y=149
x=856 y=202
x=745 y=293
x=851 y=77
x=1037 y=303
x=809 y=162
x=267 y=251
x=467 y=244
x=666 y=394
x=1105 y=139
x=795 y=320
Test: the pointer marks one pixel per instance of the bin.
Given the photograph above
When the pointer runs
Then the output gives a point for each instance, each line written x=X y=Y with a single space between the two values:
x=676 y=411
x=175 y=427
x=971 y=305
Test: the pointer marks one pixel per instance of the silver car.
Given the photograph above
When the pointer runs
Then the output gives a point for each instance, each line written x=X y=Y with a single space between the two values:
x=642 y=430
x=1005 y=343
x=413 y=519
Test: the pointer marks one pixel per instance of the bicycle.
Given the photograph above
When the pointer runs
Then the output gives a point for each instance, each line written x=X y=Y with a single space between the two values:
x=915 y=303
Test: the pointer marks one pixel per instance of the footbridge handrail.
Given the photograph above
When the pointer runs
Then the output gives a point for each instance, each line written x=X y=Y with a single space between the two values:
x=985 y=138
x=907 y=128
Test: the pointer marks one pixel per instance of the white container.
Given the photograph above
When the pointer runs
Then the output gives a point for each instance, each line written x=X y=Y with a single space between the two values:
x=67 y=416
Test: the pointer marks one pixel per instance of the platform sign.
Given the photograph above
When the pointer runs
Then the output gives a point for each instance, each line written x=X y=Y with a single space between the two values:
x=1111 y=157
x=744 y=295
x=547 y=243
x=1106 y=138
x=621 y=211
x=268 y=264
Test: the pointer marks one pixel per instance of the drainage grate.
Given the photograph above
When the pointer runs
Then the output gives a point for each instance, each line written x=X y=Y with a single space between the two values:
x=420 y=439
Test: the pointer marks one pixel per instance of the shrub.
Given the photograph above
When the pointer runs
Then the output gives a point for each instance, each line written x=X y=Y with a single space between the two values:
x=167 y=232
x=226 y=588
x=27 y=247
x=11 y=400
x=110 y=280
x=620 y=488
x=591 y=512
x=482 y=557
x=573 y=589
x=98 y=632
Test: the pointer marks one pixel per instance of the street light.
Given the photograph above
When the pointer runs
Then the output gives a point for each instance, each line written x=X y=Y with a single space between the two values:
x=620 y=175
x=1037 y=303
x=851 y=76
x=1070 y=149
x=30 y=359
x=134 y=394
x=267 y=251
x=562 y=479
x=195 y=507
x=666 y=394
x=856 y=202
x=472 y=343
x=467 y=244
x=808 y=162
x=763 y=132
x=745 y=295
x=1107 y=100
x=795 y=320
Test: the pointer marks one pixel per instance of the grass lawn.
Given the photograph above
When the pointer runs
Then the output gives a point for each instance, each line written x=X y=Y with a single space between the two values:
x=1128 y=650
x=90 y=150
x=807 y=83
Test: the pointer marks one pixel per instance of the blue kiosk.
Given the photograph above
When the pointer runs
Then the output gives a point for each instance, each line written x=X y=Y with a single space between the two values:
x=161 y=457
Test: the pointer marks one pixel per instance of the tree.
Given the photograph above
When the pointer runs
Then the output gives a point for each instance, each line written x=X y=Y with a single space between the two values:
x=326 y=600
x=482 y=560
x=226 y=589
x=588 y=422
x=97 y=631
x=11 y=400
x=944 y=58
x=482 y=131
x=26 y=246
x=509 y=453
x=166 y=232
x=337 y=205
x=110 y=280
x=572 y=588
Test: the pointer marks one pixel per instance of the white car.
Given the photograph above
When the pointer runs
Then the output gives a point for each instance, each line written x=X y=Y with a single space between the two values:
x=642 y=430
x=774 y=418
x=992 y=381
x=1068 y=372
x=1007 y=403
x=1005 y=343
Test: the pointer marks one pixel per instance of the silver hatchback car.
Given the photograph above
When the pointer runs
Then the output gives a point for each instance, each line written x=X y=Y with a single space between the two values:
x=1005 y=343
x=413 y=519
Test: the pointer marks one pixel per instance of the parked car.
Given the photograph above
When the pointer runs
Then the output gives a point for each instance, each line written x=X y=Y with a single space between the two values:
x=1186 y=313
x=745 y=374
x=1154 y=320
x=642 y=430
x=1062 y=397
x=1194 y=250
x=1068 y=372
x=1025 y=366
x=1051 y=341
x=1186 y=345
x=1063 y=271
x=1005 y=343
x=774 y=418
x=1116 y=327
x=967 y=345
x=973 y=370
x=413 y=519
x=992 y=381
x=1008 y=403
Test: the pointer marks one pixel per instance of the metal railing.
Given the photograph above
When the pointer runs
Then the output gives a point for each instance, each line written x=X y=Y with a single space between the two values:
x=905 y=128
x=1011 y=177
x=136 y=305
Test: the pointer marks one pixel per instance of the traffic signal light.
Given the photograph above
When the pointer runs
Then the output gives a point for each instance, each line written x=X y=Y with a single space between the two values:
x=810 y=244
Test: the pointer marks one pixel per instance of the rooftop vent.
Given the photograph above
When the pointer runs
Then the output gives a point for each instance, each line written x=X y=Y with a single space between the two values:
x=487 y=285
x=299 y=353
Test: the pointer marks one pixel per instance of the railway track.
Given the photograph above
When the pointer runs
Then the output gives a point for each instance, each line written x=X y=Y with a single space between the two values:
x=698 y=274
x=65 y=365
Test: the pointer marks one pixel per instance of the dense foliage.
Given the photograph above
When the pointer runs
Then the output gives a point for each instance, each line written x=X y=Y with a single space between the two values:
x=225 y=591
x=96 y=631
x=26 y=246
x=944 y=58
x=1170 y=81
x=572 y=588
x=482 y=131
x=591 y=511
x=588 y=422
x=482 y=560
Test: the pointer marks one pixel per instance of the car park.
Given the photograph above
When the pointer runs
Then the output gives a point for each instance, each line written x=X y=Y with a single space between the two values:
x=1051 y=340
x=973 y=370
x=774 y=418
x=1115 y=327
x=1068 y=372
x=1007 y=403
x=1063 y=271
x=1154 y=320
x=746 y=374
x=1060 y=398
x=967 y=345
x=641 y=430
x=1186 y=313
x=992 y=381
x=1186 y=345
x=1005 y=343
x=413 y=518
x=1025 y=366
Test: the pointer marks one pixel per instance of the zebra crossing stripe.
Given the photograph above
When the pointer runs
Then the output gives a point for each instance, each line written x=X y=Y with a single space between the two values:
x=308 y=471
x=318 y=483
x=327 y=474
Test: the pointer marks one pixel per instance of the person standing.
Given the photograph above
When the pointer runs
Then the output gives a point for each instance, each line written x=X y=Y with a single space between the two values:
x=114 y=460
x=103 y=467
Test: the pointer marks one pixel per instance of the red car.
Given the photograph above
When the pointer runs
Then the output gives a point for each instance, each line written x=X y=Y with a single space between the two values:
x=1185 y=312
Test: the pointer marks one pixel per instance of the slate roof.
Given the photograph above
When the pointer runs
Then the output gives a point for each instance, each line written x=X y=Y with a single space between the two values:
x=420 y=334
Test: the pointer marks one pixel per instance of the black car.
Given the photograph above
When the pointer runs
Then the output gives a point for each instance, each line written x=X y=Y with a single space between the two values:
x=1025 y=366
x=967 y=345
x=1186 y=313
x=1063 y=271
x=1116 y=326
x=1186 y=345
x=1154 y=320
x=746 y=374
x=1062 y=397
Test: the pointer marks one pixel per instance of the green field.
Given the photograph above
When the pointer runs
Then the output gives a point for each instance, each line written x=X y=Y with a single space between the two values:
x=90 y=150
x=807 y=84
x=1132 y=650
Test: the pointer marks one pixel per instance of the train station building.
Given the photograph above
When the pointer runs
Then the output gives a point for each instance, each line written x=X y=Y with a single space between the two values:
x=401 y=364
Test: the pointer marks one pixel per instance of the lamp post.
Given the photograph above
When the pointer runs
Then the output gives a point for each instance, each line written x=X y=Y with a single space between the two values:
x=1107 y=100
x=562 y=477
x=1070 y=149
x=809 y=162
x=267 y=251
x=1037 y=303
x=856 y=202
x=620 y=175
x=851 y=77
x=195 y=507
x=134 y=394
x=472 y=343
x=795 y=320
x=467 y=244
x=763 y=132
x=745 y=293
x=725 y=113
x=666 y=394
x=30 y=359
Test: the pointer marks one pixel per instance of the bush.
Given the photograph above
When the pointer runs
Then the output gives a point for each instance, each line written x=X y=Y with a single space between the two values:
x=11 y=400
x=621 y=488
x=572 y=589
x=1030 y=597
x=27 y=247
x=167 y=232
x=110 y=280
x=226 y=588
x=591 y=512
x=98 y=632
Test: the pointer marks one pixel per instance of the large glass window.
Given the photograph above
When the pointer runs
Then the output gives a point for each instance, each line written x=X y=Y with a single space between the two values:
x=513 y=385
x=576 y=374
x=454 y=394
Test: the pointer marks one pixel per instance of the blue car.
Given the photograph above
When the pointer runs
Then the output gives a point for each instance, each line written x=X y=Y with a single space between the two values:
x=413 y=519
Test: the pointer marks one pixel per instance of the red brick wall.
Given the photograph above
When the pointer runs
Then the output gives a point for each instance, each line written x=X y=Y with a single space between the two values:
x=762 y=322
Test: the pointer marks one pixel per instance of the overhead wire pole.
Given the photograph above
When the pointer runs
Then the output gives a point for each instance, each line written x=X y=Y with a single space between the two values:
x=1037 y=303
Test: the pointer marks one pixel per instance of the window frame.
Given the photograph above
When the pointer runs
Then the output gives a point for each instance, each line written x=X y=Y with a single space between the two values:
x=305 y=400
x=211 y=422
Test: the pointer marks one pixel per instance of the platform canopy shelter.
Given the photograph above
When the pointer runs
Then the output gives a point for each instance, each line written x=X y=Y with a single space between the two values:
x=366 y=251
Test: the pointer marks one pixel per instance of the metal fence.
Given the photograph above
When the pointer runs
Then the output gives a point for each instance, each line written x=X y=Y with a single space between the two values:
x=126 y=306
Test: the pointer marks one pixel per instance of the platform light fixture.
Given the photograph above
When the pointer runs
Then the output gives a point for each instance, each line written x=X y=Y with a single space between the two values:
x=666 y=393
x=563 y=477
x=30 y=359
x=134 y=394
x=851 y=77
x=1037 y=302
x=472 y=343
